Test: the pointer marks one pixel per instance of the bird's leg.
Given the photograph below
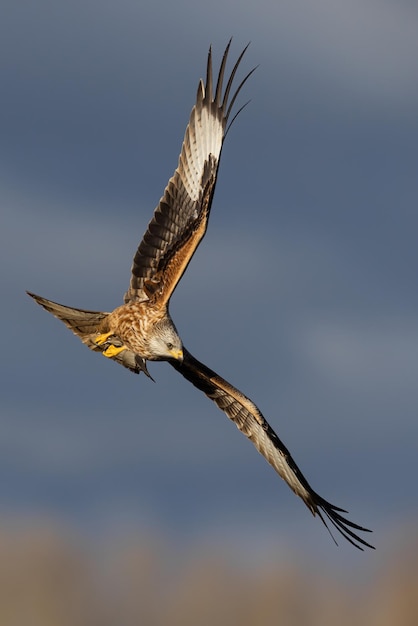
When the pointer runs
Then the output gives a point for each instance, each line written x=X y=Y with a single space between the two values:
x=113 y=350
x=100 y=339
x=110 y=350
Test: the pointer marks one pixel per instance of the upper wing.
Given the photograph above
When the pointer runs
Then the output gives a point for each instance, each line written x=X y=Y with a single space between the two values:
x=180 y=220
x=249 y=420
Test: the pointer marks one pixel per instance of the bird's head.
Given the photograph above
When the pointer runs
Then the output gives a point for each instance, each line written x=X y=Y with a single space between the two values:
x=165 y=342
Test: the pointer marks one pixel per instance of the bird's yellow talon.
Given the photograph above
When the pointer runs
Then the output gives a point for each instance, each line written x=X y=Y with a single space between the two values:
x=100 y=339
x=113 y=351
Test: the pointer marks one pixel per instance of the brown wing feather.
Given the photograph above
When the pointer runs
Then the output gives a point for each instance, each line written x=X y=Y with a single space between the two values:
x=250 y=421
x=86 y=325
x=180 y=220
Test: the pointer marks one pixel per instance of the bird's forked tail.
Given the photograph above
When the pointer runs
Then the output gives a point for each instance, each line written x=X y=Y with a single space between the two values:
x=88 y=326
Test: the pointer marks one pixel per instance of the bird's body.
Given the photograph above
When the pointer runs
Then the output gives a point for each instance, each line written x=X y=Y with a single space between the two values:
x=139 y=326
x=142 y=330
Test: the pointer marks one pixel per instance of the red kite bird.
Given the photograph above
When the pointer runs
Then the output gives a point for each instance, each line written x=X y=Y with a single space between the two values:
x=142 y=330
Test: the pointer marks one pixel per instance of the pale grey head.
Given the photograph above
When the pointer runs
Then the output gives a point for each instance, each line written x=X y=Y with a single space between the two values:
x=165 y=342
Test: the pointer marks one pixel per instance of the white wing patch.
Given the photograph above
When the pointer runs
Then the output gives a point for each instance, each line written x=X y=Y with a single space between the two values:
x=204 y=136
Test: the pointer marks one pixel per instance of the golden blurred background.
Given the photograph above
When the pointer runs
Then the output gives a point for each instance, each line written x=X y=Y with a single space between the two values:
x=52 y=576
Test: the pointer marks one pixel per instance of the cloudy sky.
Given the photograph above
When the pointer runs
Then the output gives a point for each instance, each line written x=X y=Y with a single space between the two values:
x=304 y=293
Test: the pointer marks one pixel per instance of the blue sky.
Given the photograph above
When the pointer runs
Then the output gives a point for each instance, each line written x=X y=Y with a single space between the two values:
x=303 y=294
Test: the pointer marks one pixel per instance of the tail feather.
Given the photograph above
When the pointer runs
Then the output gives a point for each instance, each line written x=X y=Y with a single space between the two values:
x=87 y=325
x=84 y=324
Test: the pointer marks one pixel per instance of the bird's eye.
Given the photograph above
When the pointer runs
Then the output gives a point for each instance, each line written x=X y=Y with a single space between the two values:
x=170 y=346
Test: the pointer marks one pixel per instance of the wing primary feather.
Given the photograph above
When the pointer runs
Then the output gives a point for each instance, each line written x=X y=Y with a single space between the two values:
x=218 y=93
x=341 y=523
x=209 y=76
x=232 y=76
x=250 y=421
x=231 y=104
x=235 y=116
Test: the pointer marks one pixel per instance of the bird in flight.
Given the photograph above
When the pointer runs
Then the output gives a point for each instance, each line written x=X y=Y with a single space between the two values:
x=142 y=330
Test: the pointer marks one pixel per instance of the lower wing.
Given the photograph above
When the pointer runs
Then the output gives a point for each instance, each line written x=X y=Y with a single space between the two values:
x=250 y=421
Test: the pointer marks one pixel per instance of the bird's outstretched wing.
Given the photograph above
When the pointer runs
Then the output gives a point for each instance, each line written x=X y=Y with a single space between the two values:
x=250 y=421
x=180 y=220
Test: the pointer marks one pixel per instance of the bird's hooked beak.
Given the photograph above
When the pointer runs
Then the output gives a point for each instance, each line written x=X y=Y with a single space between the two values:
x=177 y=355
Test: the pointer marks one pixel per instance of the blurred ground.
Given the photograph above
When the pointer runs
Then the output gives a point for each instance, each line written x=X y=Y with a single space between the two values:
x=50 y=576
